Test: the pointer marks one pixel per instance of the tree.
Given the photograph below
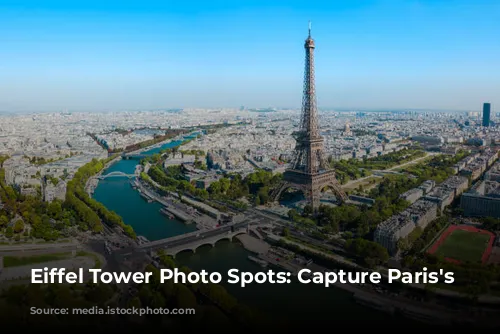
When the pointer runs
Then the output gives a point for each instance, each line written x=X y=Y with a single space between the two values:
x=370 y=252
x=184 y=297
x=18 y=226
x=165 y=259
x=3 y=221
x=157 y=300
x=98 y=293
x=135 y=302
x=292 y=213
x=55 y=210
x=308 y=210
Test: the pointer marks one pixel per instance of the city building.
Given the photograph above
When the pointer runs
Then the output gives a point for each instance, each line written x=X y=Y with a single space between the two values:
x=428 y=140
x=205 y=182
x=482 y=200
x=427 y=186
x=486 y=114
x=420 y=214
x=458 y=184
x=412 y=195
x=443 y=196
x=179 y=160
x=52 y=191
x=493 y=174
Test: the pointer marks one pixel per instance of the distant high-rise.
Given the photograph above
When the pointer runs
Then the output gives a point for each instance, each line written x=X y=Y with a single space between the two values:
x=486 y=114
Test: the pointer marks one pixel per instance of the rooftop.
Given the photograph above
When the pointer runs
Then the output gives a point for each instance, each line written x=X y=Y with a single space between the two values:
x=454 y=181
x=441 y=192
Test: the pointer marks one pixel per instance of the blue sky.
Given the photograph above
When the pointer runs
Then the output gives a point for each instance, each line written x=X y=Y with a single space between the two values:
x=114 y=55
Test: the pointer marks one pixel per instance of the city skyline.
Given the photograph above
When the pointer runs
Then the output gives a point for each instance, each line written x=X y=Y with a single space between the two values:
x=372 y=55
x=158 y=167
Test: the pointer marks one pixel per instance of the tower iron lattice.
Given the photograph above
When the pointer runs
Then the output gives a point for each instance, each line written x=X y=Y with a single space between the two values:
x=309 y=171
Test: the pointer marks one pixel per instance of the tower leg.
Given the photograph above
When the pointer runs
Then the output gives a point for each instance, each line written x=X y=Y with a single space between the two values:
x=314 y=200
x=338 y=191
x=275 y=195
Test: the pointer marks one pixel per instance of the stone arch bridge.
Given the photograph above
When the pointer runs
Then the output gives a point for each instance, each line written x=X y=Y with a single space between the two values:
x=203 y=242
x=193 y=240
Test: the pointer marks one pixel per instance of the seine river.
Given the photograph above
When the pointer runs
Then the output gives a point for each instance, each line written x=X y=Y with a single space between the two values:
x=294 y=301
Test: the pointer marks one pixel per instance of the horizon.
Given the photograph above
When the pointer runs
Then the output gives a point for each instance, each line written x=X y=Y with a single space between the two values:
x=278 y=109
x=123 y=56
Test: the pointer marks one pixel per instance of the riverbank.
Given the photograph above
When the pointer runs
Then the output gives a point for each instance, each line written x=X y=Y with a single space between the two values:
x=169 y=209
x=368 y=295
x=181 y=208
x=486 y=300
x=118 y=195
x=287 y=300
x=181 y=139
x=93 y=182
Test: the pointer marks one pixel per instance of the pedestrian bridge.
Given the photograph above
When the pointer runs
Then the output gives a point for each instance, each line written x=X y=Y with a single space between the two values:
x=115 y=174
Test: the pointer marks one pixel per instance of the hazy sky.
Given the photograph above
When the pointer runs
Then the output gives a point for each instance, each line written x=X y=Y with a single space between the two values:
x=92 y=55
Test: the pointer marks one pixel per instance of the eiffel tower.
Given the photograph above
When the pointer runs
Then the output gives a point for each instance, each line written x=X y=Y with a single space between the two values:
x=309 y=170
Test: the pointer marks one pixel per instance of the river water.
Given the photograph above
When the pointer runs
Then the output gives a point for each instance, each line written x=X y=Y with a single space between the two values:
x=293 y=301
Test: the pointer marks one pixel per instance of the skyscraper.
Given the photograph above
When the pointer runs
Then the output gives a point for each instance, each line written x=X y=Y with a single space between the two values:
x=309 y=172
x=486 y=114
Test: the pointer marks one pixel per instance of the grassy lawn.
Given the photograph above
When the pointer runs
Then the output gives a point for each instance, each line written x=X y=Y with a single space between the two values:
x=464 y=246
x=16 y=261
x=367 y=184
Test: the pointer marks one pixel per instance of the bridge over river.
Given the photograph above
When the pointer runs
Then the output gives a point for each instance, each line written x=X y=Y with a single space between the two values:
x=191 y=241
x=136 y=156
x=115 y=174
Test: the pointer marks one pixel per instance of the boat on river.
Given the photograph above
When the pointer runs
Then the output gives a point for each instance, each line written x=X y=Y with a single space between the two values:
x=146 y=197
x=142 y=240
x=260 y=262
x=166 y=213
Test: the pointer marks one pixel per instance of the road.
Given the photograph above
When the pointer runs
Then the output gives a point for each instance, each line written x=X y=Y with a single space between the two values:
x=315 y=242
x=34 y=252
x=277 y=220
x=267 y=216
x=25 y=248
x=20 y=272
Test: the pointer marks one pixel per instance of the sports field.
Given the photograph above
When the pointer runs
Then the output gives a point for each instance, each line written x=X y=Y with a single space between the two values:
x=463 y=244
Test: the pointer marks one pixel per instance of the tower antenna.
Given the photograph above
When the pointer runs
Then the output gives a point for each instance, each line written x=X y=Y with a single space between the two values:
x=309 y=28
